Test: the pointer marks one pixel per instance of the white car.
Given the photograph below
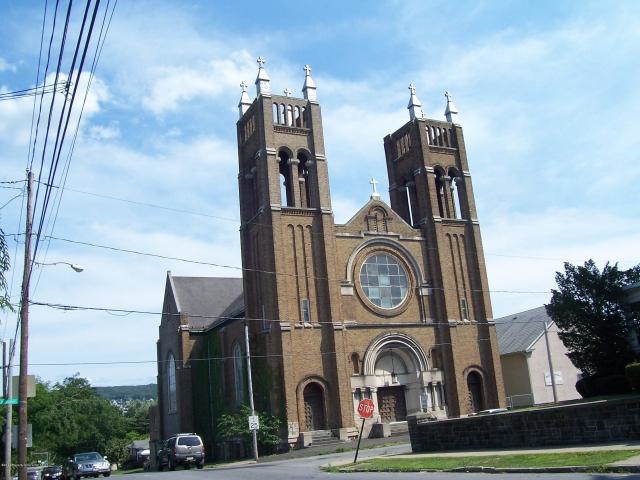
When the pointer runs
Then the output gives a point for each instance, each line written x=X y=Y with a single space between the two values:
x=88 y=464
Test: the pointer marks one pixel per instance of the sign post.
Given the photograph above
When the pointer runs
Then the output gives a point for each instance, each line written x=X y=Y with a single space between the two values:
x=365 y=410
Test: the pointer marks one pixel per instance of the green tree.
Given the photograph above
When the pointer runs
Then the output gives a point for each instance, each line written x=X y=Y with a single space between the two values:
x=70 y=417
x=593 y=318
x=236 y=425
x=4 y=267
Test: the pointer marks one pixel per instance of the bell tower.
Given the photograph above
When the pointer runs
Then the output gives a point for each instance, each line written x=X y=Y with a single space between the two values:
x=287 y=237
x=430 y=188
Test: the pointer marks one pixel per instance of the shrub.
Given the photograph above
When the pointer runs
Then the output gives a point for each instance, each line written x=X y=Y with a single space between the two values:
x=632 y=372
x=596 y=386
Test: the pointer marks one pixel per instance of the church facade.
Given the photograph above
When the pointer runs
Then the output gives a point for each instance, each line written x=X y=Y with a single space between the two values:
x=392 y=305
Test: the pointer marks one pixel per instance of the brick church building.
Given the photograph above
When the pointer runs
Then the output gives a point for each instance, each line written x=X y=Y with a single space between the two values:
x=392 y=305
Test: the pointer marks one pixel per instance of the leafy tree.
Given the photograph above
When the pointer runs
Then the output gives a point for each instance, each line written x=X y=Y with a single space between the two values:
x=593 y=318
x=70 y=417
x=4 y=267
x=235 y=425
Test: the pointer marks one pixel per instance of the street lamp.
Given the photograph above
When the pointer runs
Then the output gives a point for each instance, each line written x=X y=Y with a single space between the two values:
x=75 y=266
x=24 y=346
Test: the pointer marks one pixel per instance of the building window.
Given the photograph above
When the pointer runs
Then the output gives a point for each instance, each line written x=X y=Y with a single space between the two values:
x=171 y=384
x=384 y=280
x=306 y=314
x=464 y=309
x=238 y=377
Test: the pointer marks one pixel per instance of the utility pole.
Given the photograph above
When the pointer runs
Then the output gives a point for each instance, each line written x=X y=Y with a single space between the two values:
x=9 y=413
x=254 y=432
x=551 y=372
x=24 y=339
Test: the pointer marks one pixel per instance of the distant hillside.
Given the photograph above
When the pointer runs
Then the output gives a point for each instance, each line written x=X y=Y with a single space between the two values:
x=124 y=393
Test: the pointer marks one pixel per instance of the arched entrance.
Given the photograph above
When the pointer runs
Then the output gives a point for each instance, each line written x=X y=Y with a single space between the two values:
x=474 y=386
x=391 y=400
x=314 y=407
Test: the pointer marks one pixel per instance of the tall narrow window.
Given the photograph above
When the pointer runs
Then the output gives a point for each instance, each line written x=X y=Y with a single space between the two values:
x=464 y=310
x=238 y=377
x=171 y=384
x=306 y=313
x=286 y=190
x=440 y=192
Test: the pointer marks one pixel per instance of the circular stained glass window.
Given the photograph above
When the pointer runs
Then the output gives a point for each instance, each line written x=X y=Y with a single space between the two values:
x=384 y=280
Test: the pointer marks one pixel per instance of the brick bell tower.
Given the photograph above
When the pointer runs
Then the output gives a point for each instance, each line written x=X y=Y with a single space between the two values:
x=430 y=188
x=287 y=238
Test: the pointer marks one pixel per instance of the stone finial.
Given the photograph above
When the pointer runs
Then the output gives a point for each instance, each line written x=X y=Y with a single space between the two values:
x=245 y=102
x=374 y=192
x=451 y=112
x=415 y=106
x=262 y=80
x=309 y=87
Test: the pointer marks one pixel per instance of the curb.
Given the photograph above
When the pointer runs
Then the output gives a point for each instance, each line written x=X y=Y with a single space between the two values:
x=580 y=469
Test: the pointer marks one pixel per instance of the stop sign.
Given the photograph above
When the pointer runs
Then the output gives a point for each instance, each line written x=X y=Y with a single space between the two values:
x=365 y=408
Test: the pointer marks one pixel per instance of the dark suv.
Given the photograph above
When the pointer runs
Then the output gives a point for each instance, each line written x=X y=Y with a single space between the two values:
x=184 y=449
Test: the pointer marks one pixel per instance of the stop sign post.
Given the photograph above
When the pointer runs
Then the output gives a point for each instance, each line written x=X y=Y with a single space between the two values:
x=365 y=410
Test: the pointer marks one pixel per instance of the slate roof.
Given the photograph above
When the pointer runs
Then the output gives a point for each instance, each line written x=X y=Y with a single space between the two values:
x=517 y=333
x=206 y=300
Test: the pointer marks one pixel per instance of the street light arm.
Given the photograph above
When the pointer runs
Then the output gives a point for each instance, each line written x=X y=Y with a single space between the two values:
x=76 y=267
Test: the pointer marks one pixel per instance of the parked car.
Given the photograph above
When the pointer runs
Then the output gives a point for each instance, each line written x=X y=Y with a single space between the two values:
x=53 y=472
x=184 y=449
x=88 y=464
x=32 y=474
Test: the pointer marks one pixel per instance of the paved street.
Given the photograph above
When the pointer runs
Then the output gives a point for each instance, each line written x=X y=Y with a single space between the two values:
x=308 y=468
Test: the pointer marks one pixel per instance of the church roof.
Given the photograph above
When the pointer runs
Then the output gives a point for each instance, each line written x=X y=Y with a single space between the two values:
x=206 y=300
x=517 y=333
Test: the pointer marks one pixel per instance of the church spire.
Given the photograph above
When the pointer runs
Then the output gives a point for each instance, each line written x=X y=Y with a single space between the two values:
x=262 y=80
x=245 y=103
x=451 y=112
x=309 y=87
x=415 y=106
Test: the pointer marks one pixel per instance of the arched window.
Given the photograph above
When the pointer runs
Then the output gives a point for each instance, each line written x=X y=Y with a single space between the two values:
x=297 y=119
x=439 y=181
x=171 y=384
x=456 y=190
x=303 y=179
x=286 y=190
x=238 y=374
x=474 y=385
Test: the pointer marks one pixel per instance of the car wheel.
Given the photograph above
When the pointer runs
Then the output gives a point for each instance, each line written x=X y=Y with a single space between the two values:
x=106 y=474
x=187 y=466
x=200 y=465
x=171 y=465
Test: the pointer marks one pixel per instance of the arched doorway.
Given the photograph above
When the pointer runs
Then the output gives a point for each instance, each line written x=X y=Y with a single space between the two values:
x=314 y=407
x=474 y=385
x=391 y=399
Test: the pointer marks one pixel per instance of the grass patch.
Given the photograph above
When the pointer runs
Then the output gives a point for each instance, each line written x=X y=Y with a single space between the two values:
x=595 y=458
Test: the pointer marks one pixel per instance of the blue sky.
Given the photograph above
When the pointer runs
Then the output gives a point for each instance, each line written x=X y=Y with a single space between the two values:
x=548 y=100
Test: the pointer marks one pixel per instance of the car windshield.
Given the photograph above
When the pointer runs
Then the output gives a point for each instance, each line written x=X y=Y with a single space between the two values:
x=53 y=469
x=189 y=441
x=88 y=457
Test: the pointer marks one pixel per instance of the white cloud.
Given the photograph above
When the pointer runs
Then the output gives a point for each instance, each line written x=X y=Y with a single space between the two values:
x=6 y=66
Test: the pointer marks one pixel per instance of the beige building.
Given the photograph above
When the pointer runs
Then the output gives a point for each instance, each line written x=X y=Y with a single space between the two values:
x=392 y=306
x=534 y=363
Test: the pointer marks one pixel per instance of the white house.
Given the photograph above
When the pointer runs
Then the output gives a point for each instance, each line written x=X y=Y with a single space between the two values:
x=528 y=357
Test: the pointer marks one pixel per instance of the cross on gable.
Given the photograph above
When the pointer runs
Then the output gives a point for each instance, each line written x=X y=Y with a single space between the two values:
x=373 y=182
x=448 y=96
x=412 y=88
x=307 y=70
x=261 y=61
x=287 y=92
x=244 y=86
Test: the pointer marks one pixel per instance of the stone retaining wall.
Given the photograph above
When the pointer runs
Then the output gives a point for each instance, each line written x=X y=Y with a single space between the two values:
x=597 y=422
